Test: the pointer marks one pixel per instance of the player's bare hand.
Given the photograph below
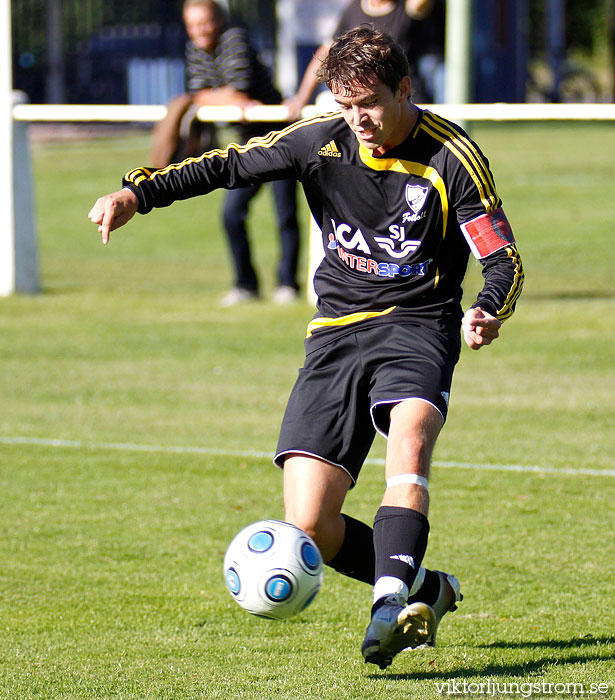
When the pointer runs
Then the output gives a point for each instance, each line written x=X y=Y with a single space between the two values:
x=479 y=328
x=112 y=211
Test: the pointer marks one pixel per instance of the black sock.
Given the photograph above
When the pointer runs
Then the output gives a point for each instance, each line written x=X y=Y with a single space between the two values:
x=400 y=541
x=429 y=591
x=355 y=557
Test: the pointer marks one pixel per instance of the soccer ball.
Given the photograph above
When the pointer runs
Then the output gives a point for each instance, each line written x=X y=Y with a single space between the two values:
x=273 y=569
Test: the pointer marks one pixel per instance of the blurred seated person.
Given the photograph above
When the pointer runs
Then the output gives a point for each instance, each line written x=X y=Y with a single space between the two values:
x=222 y=68
x=400 y=18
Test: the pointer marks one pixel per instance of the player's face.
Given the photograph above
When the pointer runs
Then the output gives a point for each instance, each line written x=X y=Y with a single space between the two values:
x=203 y=26
x=379 y=118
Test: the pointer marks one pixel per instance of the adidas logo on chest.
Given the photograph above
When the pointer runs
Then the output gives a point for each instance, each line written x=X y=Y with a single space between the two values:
x=330 y=149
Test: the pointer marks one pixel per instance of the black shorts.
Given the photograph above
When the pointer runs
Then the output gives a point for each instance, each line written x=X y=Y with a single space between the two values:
x=346 y=389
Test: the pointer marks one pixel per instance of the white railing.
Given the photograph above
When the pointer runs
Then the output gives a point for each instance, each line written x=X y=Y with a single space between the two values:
x=278 y=113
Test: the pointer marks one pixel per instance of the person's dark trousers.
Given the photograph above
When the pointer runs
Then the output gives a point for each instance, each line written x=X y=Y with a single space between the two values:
x=285 y=196
x=235 y=213
x=236 y=205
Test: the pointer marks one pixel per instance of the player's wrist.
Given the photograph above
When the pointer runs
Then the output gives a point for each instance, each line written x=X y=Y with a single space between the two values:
x=486 y=306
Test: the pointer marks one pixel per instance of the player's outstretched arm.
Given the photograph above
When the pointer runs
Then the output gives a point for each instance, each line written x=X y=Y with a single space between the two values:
x=112 y=211
x=479 y=328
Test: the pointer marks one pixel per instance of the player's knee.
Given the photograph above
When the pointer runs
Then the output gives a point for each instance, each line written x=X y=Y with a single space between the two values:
x=308 y=522
x=321 y=529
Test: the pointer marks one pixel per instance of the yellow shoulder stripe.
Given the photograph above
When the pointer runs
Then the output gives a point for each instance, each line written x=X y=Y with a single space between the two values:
x=467 y=155
x=450 y=129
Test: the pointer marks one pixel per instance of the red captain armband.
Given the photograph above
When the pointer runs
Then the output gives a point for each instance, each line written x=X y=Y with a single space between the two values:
x=488 y=233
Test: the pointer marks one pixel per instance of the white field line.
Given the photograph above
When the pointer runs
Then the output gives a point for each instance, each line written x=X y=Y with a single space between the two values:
x=252 y=454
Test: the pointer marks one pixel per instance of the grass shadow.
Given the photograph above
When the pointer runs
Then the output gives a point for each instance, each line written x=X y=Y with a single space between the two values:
x=588 y=640
x=521 y=669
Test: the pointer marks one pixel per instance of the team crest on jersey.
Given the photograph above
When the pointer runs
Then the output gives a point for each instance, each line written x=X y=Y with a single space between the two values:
x=416 y=196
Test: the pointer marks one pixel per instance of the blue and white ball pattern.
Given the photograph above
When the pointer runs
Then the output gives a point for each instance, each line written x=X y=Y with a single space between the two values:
x=273 y=569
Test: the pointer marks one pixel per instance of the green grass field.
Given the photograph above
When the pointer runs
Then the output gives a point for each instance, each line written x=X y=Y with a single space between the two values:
x=137 y=422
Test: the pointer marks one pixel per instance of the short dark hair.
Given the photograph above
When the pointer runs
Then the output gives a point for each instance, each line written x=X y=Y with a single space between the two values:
x=362 y=56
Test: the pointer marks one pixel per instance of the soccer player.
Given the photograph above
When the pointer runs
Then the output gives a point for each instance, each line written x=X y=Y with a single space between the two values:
x=402 y=196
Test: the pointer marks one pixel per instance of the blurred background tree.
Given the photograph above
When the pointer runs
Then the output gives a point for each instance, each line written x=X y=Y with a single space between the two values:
x=586 y=55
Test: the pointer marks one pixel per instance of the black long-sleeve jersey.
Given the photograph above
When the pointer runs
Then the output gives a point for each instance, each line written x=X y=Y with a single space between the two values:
x=397 y=229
